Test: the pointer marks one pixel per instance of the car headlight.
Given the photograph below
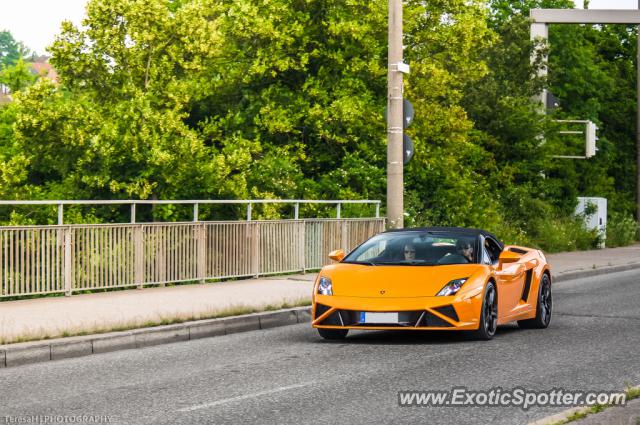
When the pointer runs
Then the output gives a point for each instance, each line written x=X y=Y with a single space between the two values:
x=324 y=286
x=452 y=287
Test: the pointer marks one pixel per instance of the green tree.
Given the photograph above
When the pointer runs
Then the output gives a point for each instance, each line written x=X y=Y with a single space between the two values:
x=9 y=49
x=273 y=98
x=18 y=76
x=447 y=182
x=590 y=70
x=116 y=128
x=209 y=98
x=507 y=123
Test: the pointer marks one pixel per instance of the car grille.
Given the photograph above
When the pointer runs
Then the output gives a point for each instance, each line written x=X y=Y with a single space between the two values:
x=417 y=318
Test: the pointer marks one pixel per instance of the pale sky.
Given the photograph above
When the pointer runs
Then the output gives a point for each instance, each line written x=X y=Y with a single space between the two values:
x=36 y=22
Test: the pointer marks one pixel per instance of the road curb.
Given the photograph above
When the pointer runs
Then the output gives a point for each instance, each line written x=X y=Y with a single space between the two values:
x=559 y=417
x=64 y=348
x=28 y=353
x=71 y=349
x=594 y=272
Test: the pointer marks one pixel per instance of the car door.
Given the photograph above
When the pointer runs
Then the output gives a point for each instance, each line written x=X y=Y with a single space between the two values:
x=510 y=279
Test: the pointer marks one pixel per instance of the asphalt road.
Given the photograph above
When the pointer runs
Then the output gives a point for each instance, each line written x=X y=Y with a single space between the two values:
x=291 y=375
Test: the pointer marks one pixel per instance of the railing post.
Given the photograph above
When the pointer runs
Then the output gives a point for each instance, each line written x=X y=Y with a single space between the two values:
x=68 y=271
x=296 y=211
x=377 y=210
x=60 y=214
x=138 y=256
x=338 y=211
x=249 y=212
x=344 y=240
x=201 y=255
x=195 y=212
x=133 y=213
x=255 y=249
x=303 y=247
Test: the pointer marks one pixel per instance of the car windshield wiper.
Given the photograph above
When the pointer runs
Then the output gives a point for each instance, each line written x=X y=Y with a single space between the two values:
x=368 y=263
x=405 y=263
x=392 y=263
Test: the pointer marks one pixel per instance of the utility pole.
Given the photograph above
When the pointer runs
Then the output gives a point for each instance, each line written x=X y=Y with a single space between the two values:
x=395 y=182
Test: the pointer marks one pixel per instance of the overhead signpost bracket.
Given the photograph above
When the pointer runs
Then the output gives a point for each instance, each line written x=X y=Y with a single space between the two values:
x=585 y=16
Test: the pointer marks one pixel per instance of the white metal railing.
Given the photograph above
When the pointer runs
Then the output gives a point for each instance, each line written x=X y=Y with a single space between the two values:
x=196 y=203
x=71 y=258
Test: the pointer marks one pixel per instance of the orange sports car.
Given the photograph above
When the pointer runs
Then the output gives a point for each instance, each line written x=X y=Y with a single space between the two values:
x=435 y=278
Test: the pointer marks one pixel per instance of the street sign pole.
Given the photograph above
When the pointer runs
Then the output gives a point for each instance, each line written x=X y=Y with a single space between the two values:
x=395 y=183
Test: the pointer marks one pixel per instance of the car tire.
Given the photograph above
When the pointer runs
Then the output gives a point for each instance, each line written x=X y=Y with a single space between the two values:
x=488 y=314
x=544 y=306
x=333 y=334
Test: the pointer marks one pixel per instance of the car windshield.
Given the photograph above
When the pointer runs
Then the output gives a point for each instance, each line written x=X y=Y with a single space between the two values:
x=416 y=248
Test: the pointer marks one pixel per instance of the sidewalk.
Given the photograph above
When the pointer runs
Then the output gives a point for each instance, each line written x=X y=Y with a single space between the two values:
x=54 y=317
x=567 y=263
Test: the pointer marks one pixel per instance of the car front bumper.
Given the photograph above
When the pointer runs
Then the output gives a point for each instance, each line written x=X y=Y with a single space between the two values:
x=415 y=313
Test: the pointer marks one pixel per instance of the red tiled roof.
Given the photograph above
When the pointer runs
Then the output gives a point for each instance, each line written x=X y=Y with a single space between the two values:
x=44 y=69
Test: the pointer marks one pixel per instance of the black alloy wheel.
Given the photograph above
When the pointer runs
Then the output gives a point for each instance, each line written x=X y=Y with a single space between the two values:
x=489 y=314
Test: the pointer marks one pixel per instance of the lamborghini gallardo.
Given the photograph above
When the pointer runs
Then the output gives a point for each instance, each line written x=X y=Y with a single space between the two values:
x=436 y=278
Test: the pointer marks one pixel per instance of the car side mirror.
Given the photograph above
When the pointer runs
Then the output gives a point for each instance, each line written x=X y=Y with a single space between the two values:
x=337 y=255
x=511 y=272
x=507 y=257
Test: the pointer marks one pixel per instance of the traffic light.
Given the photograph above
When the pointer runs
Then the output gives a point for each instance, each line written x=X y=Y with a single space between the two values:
x=592 y=138
x=407 y=144
x=408 y=113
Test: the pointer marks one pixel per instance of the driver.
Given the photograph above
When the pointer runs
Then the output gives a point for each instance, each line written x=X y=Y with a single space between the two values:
x=409 y=252
x=465 y=249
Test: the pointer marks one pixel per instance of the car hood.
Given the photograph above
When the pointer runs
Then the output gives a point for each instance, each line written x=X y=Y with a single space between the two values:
x=356 y=280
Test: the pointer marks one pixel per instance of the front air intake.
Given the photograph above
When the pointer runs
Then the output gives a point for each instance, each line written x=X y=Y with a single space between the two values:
x=449 y=311
x=432 y=321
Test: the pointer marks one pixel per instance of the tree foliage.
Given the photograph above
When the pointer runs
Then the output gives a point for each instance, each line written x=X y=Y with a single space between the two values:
x=285 y=99
x=9 y=49
x=17 y=77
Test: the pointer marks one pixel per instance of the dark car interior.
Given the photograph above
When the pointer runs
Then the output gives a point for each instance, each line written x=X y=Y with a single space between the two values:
x=425 y=252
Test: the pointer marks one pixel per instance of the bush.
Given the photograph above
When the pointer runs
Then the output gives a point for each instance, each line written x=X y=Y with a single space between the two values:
x=621 y=230
x=564 y=234
x=535 y=223
x=551 y=234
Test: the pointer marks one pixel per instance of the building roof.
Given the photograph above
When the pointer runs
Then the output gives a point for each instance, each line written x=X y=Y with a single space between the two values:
x=44 y=69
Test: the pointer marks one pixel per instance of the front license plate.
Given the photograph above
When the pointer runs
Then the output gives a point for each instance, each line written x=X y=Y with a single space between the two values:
x=374 y=317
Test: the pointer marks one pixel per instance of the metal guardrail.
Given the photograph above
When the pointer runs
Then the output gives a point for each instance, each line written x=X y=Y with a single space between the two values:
x=196 y=203
x=66 y=259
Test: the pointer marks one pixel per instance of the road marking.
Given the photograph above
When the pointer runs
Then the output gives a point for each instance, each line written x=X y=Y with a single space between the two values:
x=244 y=397
x=291 y=387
